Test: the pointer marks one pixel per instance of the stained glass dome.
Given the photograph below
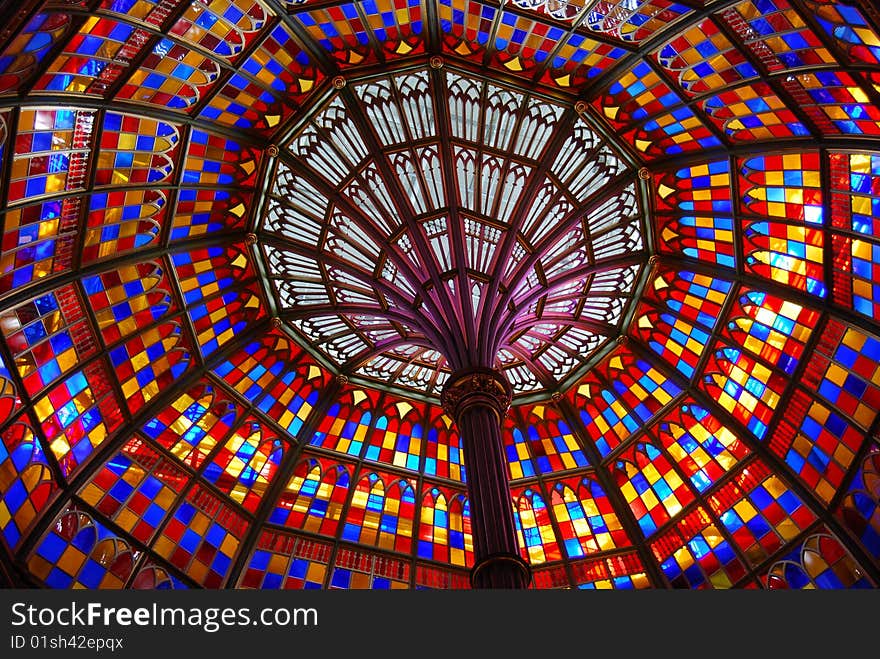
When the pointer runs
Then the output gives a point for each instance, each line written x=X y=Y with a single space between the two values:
x=246 y=244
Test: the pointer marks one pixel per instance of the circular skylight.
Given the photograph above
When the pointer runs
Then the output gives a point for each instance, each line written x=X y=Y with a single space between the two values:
x=430 y=220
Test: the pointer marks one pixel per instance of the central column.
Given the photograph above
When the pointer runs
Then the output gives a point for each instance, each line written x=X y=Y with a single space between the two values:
x=478 y=399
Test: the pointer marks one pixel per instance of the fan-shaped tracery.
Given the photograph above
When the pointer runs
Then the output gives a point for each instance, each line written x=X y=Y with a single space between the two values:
x=404 y=256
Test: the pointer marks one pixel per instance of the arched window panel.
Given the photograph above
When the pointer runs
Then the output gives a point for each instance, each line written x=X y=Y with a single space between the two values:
x=136 y=489
x=702 y=237
x=10 y=401
x=516 y=449
x=481 y=241
x=819 y=562
x=78 y=415
x=129 y=298
x=206 y=271
x=522 y=45
x=224 y=28
x=786 y=186
x=135 y=150
x=79 y=552
x=383 y=111
x=341 y=33
x=121 y=221
x=172 y=76
x=52 y=155
x=702 y=447
x=847 y=26
x=551 y=442
x=193 y=424
x=817 y=443
x=93 y=59
x=28 y=48
x=466 y=26
x=246 y=465
x=398 y=435
x=691 y=306
x=298 y=209
x=285 y=562
x=355 y=570
x=416 y=104
x=753 y=112
x=856 y=268
x=638 y=105
x=204 y=211
x=215 y=160
x=855 y=204
x=26 y=482
x=292 y=397
x=636 y=95
x=770 y=328
x=317 y=152
x=776 y=34
x=314 y=497
x=678 y=342
x=652 y=488
x=397 y=25
x=639 y=385
x=606 y=419
x=694 y=554
x=202 y=537
x=48 y=337
x=218 y=319
x=39 y=240
x=860 y=509
x=253 y=368
x=578 y=59
x=445 y=528
x=759 y=512
x=703 y=60
x=745 y=387
x=585 y=517
x=547 y=209
x=382 y=512
x=611 y=230
x=344 y=426
x=155 y=577
x=844 y=370
x=429 y=577
x=150 y=363
x=444 y=456
x=534 y=530
x=836 y=102
x=633 y=21
x=254 y=97
x=622 y=572
x=785 y=253
x=703 y=188
x=672 y=133
x=499 y=120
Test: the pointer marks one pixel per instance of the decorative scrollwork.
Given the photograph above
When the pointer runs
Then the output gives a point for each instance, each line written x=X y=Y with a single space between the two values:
x=476 y=386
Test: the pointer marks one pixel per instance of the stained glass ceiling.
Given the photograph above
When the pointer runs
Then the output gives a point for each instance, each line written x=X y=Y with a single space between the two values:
x=509 y=235
x=244 y=243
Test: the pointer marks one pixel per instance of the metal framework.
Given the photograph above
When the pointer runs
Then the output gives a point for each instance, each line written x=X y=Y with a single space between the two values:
x=688 y=223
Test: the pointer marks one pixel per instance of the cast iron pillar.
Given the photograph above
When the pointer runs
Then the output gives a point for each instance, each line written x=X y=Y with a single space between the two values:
x=478 y=399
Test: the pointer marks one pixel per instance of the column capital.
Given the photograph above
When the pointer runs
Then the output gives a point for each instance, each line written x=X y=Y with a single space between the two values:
x=468 y=387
